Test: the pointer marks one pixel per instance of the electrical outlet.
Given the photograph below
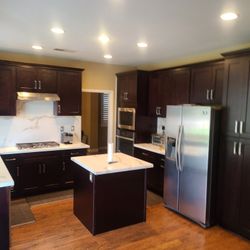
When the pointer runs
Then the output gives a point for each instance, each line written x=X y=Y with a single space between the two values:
x=72 y=128
x=62 y=129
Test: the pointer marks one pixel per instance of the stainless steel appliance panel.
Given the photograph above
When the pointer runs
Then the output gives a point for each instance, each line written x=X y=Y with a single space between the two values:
x=126 y=118
x=171 y=173
x=194 y=152
x=125 y=141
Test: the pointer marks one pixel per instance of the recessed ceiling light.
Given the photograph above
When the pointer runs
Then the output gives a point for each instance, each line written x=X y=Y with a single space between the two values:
x=38 y=47
x=57 y=30
x=103 y=39
x=142 y=45
x=228 y=16
x=108 y=56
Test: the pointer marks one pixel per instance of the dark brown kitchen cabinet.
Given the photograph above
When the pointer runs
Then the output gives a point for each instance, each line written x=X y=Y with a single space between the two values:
x=69 y=91
x=235 y=99
x=234 y=185
x=132 y=90
x=7 y=90
x=36 y=79
x=160 y=93
x=155 y=175
x=68 y=172
x=168 y=87
x=12 y=164
x=207 y=83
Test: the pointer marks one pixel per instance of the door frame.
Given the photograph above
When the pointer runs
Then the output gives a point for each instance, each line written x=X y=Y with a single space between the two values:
x=110 y=137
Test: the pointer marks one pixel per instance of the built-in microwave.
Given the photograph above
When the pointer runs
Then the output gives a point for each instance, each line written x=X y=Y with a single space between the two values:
x=126 y=118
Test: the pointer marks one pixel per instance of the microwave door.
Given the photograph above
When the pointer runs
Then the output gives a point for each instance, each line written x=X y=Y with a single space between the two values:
x=126 y=118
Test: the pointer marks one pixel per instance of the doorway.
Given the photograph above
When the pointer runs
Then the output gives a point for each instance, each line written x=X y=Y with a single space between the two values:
x=96 y=120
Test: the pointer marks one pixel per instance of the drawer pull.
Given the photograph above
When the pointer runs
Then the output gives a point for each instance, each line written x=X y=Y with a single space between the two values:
x=162 y=166
x=10 y=159
x=145 y=154
x=74 y=154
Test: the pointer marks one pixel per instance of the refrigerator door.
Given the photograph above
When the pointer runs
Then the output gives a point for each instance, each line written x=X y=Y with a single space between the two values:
x=171 y=173
x=194 y=153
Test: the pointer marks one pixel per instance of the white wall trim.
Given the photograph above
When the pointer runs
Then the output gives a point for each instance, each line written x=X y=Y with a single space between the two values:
x=111 y=109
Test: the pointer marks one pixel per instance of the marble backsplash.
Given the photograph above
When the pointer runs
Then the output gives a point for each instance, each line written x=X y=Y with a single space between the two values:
x=35 y=121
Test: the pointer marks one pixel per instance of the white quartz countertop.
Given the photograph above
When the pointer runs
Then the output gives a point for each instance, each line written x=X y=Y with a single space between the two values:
x=15 y=150
x=151 y=147
x=5 y=178
x=98 y=165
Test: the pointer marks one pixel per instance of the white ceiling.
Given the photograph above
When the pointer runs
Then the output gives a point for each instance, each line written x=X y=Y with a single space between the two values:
x=172 y=28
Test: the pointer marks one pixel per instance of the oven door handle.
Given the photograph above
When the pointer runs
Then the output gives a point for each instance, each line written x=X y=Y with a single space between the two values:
x=125 y=138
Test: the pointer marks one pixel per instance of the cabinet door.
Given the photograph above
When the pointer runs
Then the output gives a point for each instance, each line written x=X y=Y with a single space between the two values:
x=47 y=80
x=229 y=184
x=7 y=90
x=27 y=79
x=52 y=170
x=244 y=214
x=201 y=84
x=180 y=82
x=11 y=162
x=154 y=94
x=127 y=89
x=235 y=94
x=218 y=79
x=69 y=90
x=30 y=174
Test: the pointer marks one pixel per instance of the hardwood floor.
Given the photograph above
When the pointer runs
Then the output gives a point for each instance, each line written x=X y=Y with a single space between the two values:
x=57 y=228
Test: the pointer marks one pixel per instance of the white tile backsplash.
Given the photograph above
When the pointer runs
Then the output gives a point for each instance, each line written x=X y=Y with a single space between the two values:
x=160 y=122
x=35 y=122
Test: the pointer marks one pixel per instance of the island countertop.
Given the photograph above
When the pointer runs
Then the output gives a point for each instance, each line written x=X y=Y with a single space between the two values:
x=5 y=177
x=98 y=165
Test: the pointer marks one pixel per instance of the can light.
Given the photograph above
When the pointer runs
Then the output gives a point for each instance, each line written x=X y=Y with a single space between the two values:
x=108 y=56
x=57 y=30
x=228 y=16
x=37 y=47
x=142 y=45
x=103 y=39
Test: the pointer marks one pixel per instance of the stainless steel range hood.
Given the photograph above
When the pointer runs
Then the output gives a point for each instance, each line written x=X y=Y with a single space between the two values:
x=31 y=96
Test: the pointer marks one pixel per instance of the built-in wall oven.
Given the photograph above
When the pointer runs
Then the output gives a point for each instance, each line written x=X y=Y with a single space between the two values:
x=125 y=141
x=126 y=118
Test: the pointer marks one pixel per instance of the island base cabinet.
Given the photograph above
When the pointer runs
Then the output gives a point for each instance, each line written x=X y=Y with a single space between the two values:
x=109 y=201
x=4 y=218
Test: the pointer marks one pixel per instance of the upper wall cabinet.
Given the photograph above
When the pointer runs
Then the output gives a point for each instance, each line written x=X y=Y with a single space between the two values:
x=36 y=79
x=132 y=90
x=168 y=87
x=236 y=115
x=207 y=83
x=7 y=90
x=69 y=91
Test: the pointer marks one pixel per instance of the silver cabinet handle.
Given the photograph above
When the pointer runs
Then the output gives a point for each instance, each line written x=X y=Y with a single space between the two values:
x=145 y=154
x=74 y=154
x=235 y=147
x=211 y=94
x=162 y=166
x=241 y=127
x=236 y=127
x=158 y=110
x=208 y=94
x=39 y=85
x=59 y=108
x=35 y=82
x=64 y=166
x=17 y=171
x=44 y=168
x=10 y=159
x=125 y=95
x=239 y=148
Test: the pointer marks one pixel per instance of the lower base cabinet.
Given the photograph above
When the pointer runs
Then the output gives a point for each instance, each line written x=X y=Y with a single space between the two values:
x=41 y=172
x=155 y=175
x=234 y=185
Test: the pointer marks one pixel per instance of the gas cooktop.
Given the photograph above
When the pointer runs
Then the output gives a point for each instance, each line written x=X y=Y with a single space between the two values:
x=45 y=144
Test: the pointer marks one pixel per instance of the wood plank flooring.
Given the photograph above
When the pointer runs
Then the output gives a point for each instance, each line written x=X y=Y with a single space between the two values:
x=57 y=228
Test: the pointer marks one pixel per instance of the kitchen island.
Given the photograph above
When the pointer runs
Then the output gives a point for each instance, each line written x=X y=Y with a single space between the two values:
x=6 y=183
x=109 y=196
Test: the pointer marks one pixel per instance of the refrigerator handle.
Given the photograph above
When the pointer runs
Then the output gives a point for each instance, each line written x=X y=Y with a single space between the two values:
x=176 y=149
x=179 y=148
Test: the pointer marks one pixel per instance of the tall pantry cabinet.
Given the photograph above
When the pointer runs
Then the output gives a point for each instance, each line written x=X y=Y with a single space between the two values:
x=234 y=180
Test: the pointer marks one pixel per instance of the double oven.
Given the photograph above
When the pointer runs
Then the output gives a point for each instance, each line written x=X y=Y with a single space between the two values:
x=125 y=133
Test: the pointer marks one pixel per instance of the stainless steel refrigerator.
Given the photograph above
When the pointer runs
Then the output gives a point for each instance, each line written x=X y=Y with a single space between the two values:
x=190 y=161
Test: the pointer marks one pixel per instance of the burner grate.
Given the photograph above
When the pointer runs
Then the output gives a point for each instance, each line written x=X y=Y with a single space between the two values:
x=46 y=144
